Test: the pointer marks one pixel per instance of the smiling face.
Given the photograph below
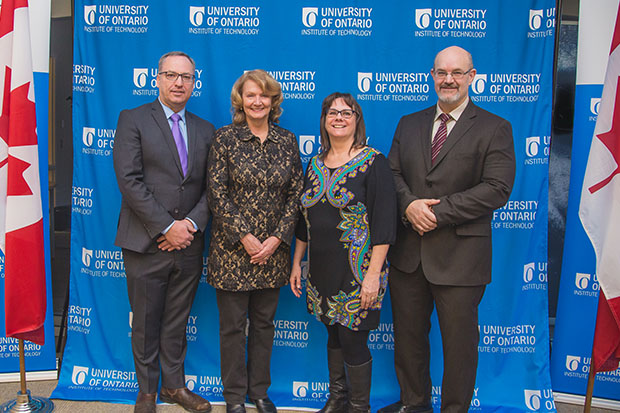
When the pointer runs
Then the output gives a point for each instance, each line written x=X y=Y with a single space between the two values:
x=450 y=91
x=256 y=103
x=338 y=127
x=175 y=94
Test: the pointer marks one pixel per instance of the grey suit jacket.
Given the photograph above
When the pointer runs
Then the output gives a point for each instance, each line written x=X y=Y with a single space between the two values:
x=149 y=175
x=472 y=176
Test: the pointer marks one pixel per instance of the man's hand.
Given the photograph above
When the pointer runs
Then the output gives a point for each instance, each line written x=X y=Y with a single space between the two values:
x=178 y=237
x=420 y=214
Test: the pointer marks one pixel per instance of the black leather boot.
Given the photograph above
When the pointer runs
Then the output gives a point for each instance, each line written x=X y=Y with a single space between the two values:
x=359 y=387
x=338 y=394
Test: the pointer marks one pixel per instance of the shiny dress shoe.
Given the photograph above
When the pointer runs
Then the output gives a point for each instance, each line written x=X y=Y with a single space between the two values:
x=145 y=403
x=235 y=408
x=399 y=407
x=186 y=399
x=264 y=405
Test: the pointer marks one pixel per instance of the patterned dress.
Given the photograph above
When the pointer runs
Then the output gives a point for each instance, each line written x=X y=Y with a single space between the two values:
x=346 y=210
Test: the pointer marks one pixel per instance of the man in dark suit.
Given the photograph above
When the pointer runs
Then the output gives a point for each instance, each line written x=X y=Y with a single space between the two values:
x=453 y=165
x=160 y=160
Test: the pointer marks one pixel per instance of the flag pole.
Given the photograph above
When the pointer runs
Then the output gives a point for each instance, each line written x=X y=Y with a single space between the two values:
x=590 y=389
x=24 y=403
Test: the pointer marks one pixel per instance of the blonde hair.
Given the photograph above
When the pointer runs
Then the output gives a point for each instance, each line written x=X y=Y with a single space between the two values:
x=269 y=86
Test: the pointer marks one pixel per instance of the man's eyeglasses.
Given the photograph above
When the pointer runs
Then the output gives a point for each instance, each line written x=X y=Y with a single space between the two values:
x=173 y=76
x=345 y=113
x=456 y=75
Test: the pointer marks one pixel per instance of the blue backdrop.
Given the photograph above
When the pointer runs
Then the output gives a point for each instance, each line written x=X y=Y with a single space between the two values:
x=381 y=52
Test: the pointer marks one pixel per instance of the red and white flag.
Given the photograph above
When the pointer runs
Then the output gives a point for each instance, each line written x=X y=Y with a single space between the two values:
x=600 y=212
x=21 y=224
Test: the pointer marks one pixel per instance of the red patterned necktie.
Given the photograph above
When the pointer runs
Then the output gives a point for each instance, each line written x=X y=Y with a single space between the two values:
x=440 y=136
x=178 y=139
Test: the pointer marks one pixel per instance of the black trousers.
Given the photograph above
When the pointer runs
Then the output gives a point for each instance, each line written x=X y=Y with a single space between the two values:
x=161 y=288
x=251 y=311
x=413 y=299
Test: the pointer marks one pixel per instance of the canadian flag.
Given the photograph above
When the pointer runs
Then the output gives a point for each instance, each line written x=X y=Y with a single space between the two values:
x=21 y=224
x=600 y=212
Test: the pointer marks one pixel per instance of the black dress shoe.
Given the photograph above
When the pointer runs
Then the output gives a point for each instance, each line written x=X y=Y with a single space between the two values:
x=399 y=407
x=264 y=405
x=235 y=408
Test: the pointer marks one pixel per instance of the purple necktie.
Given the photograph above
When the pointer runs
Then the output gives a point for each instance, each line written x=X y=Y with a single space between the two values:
x=178 y=139
x=440 y=136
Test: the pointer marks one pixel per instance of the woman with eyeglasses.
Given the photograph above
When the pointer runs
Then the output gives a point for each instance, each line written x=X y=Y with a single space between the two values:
x=254 y=183
x=349 y=221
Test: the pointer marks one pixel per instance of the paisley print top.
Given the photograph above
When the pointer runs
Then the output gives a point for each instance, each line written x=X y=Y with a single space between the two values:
x=346 y=211
x=253 y=187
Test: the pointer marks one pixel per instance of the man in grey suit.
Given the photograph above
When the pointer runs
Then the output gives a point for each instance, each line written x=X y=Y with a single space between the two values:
x=160 y=160
x=453 y=165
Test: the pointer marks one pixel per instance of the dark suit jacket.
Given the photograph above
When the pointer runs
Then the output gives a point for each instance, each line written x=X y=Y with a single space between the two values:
x=150 y=178
x=472 y=176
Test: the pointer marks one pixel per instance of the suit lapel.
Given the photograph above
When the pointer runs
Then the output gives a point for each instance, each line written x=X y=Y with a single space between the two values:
x=162 y=122
x=465 y=122
x=425 y=134
x=191 y=142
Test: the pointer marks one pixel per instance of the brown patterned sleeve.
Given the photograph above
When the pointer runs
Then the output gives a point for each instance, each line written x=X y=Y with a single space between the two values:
x=225 y=212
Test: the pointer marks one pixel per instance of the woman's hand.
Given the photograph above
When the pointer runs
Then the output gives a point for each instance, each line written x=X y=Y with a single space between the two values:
x=370 y=289
x=251 y=244
x=268 y=247
x=296 y=280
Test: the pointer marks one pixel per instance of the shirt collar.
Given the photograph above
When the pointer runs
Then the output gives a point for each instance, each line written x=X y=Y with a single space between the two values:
x=245 y=134
x=455 y=114
x=168 y=112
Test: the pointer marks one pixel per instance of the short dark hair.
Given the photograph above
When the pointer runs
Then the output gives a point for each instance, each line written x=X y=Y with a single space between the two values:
x=359 y=139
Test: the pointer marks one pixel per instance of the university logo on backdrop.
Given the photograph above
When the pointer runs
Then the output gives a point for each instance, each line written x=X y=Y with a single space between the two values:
x=595 y=104
x=82 y=200
x=535 y=276
x=224 y=20
x=116 y=18
x=103 y=263
x=79 y=319
x=79 y=375
x=450 y=22
x=296 y=84
x=586 y=285
x=97 y=141
x=393 y=86
x=516 y=214
x=537 y=150
x=84 y=78
x=337 y=21
x=539 y=400
x=506 y=87
x=308 y=147
x=313 y=391
x=541 y=23
x=208 y=386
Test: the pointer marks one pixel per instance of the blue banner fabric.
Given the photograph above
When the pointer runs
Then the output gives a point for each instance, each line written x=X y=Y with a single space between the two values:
x=382 y=53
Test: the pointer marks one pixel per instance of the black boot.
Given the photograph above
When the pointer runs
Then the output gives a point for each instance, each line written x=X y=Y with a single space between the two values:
x=359 y=387
x=338 y=394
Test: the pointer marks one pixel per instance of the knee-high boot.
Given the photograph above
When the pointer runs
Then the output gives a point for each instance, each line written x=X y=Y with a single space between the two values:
x=338 y=394
x=359 y=387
